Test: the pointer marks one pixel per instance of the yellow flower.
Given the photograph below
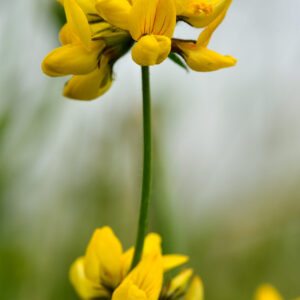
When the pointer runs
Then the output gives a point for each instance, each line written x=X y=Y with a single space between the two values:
x=150 y=23
x=200 y=13
x=196 y=54
x=99 y=32
x=105 y=266
x=268 y=292
x=89 y=50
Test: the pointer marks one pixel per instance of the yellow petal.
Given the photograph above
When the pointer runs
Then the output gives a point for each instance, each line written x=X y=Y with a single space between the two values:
x=115 y=12
x=267 y=292
x=151 y=50
x=173 y=260
x=129 y=291
x=152 y=246
x=179 y=283
x=199 y=13
x=156 y=17
x=78 y=21
x=88 y=6
x=147 y=277
x=195 y=291
x=126 y=261
x=202 y=59
x=67 y=36
x=71 y=59
x=180 y=6
x=207 y=33
x=103 y=255
x=85 y=288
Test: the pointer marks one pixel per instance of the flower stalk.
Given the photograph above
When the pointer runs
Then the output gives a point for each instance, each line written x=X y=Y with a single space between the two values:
x=147 y=169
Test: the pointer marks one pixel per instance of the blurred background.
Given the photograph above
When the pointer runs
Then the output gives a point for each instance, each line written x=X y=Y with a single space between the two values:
x=226 y=156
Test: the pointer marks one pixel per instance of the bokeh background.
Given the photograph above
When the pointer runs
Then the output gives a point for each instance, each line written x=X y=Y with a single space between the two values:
x=226 y=156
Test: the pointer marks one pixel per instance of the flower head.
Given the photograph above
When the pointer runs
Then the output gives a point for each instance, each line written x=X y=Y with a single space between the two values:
x=99 y=32
x=90 y=47
x=104 y=271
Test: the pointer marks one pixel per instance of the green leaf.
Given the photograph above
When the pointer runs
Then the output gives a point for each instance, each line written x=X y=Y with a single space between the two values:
x=178 y=61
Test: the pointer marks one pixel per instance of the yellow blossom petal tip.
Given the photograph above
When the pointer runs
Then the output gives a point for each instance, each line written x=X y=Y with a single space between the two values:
x=174 y=260
x=267 y=292
x=205 y=60
x=195 y=290
x=151 y=50
x=70 y=59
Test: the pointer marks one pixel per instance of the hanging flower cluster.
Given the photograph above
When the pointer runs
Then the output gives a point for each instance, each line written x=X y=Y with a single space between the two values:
x=99 y=32
x=104 y=272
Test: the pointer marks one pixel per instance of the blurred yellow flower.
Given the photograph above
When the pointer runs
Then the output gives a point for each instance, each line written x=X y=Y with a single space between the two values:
x=105 y=266
x=196 y=290
x=268 y=292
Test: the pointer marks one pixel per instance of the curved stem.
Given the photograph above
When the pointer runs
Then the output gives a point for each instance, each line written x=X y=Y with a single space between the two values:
x=147 y=169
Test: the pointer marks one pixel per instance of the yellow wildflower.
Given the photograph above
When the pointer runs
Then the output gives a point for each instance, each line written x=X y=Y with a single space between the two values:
x=105 y=266
x=268 y=292
x=200 y=13
x=150 y=23
x=99 y=32
x=90 y=47
x=196 y=54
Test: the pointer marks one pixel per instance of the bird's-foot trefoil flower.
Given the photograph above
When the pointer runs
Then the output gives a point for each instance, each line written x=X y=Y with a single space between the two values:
x=268 y=292
x=90 y=47
x=150 y=23
x=200 y=13
x=104 y=271
x=99 y=32
x=196 y=54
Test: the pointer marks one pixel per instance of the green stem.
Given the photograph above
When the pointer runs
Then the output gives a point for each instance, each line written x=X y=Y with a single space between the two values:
x=147 y=169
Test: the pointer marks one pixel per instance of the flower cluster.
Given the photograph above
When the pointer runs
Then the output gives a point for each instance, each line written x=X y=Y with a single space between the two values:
x=99 y=32
x=104 y=272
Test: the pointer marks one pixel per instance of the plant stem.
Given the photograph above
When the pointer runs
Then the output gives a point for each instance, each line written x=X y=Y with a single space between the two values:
x=147 y=169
